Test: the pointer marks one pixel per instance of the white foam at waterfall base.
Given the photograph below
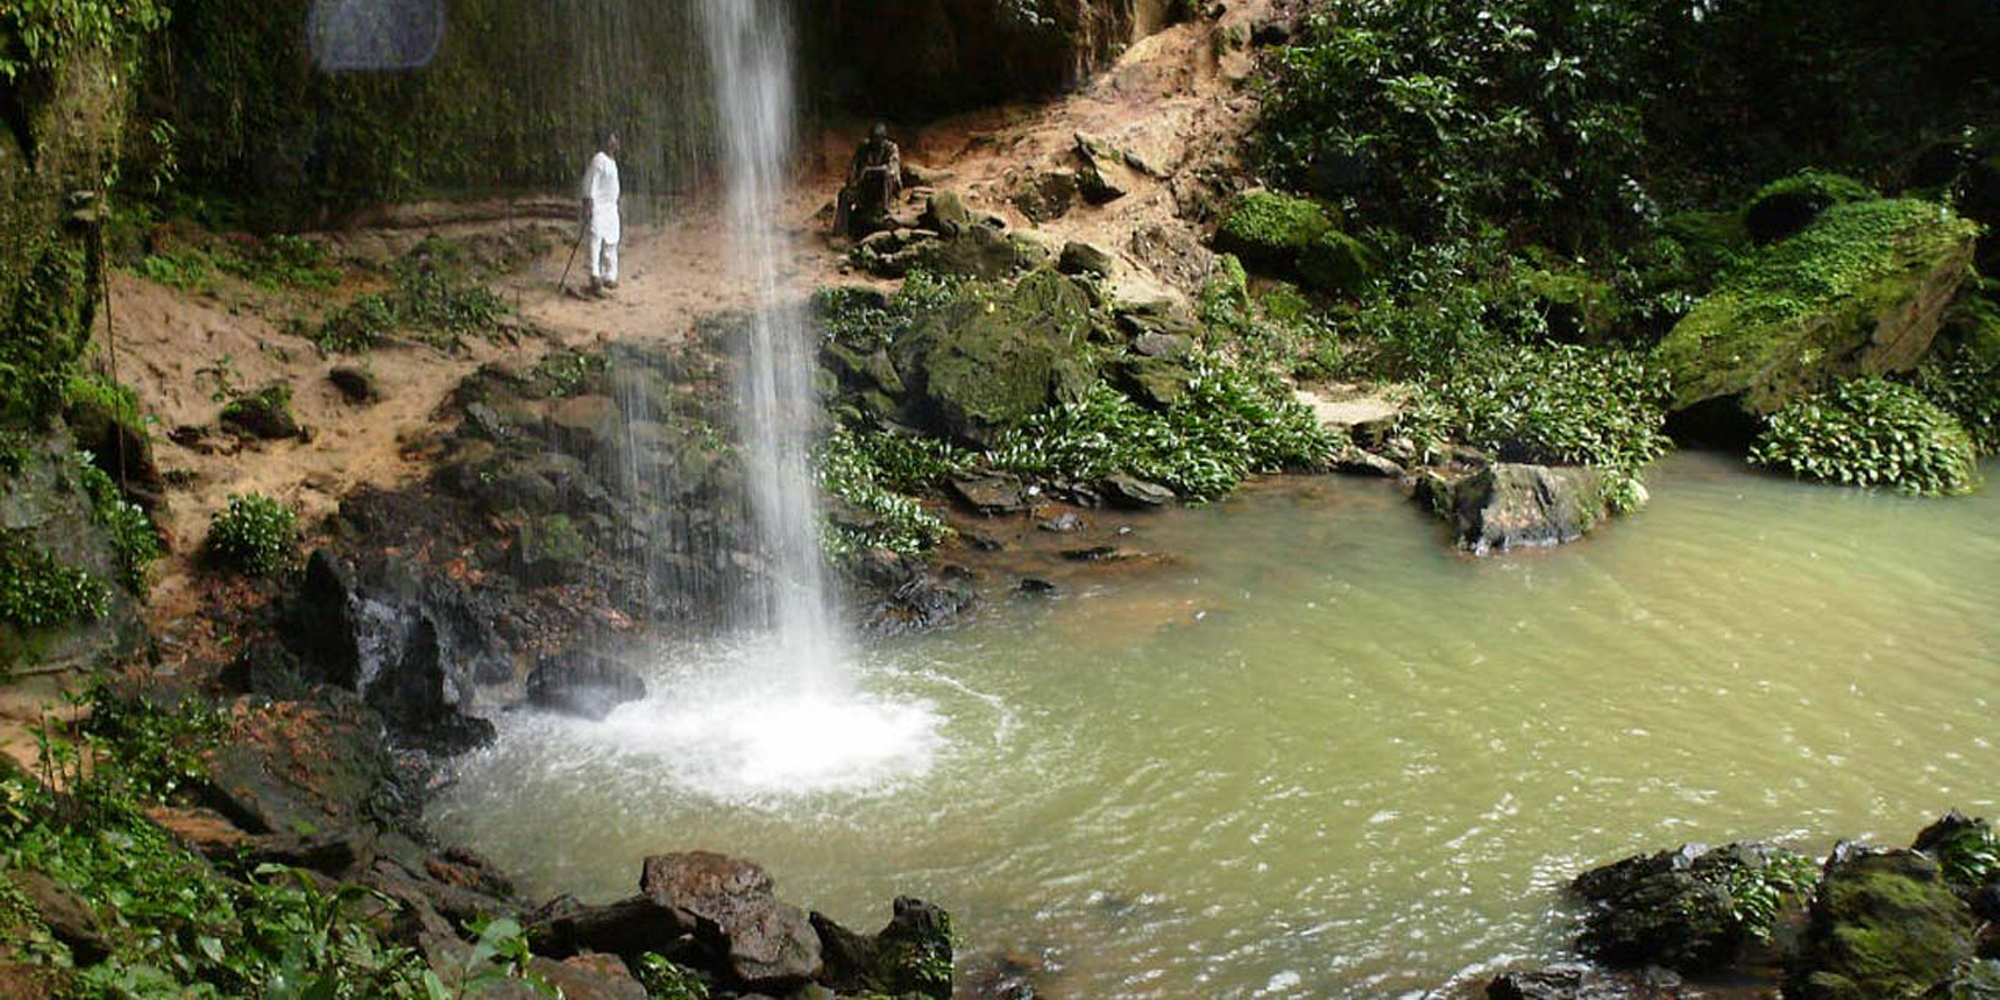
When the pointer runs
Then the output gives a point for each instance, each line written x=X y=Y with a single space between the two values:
x=739 y=728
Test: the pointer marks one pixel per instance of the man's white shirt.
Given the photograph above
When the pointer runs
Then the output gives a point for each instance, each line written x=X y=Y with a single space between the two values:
x=600 y=185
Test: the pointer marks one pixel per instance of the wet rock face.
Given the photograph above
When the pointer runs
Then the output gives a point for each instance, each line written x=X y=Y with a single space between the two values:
x=582 y=683
x=1510 y=506
x=1575 y=981
x=763 y=944
x=1885 y=924
x=945 y=55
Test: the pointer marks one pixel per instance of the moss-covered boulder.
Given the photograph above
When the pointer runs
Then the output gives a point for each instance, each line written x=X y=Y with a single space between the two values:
x=1860 y=291
x=1692 y=909
x=266 y=413
x=1885 y=926
x=1269 y=230
x=1339 y=264
x=990 y=358
x=63 y=598
x=1785 y=206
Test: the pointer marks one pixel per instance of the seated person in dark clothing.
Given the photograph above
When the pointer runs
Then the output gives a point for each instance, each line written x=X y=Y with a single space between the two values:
x=874 y=180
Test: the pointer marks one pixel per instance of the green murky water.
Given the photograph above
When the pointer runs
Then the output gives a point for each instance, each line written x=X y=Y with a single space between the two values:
x=1316 y=754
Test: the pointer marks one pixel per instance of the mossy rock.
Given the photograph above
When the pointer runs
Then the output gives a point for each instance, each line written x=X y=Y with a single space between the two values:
x=551 y=550
x=266 y=413
x=990 y=359
x=1784 y=207
x=1579 y=308
x=1885 y=926
x=1712 y=241
x=1860 y=292
x=1270 y=230
x=1339 y=264
x=1509 y=506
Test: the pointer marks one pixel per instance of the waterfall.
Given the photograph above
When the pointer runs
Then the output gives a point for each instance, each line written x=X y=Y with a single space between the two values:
x=750 y=60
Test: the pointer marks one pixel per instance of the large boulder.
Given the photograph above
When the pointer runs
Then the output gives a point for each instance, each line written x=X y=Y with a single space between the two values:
x=986 y=362
x=1270 y=231
x=1861 y=291
x=1886 y=925
x=763 y=944
x=912 y=955
x=1785 y=206
x=1512 y=506
x=1679 y=909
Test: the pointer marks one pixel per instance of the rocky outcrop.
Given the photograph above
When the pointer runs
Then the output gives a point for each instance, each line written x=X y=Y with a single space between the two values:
x=1511 y=506
x=948 y=55
x=68 y=602
x=1680 y=909
x=1885 y=924
x=728 y=905
x=976 y=366
x=1860 y=291
x=1577 y=981
x=912 y=955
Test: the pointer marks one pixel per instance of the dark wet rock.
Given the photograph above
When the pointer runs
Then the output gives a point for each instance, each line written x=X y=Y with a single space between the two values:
x=907 y=593
x=762 y=943
x=266 y=413
x=42 y=512
x=1129 y=491
x=1356 y=462
x=1083 y=258
x=981 y=540
x=585 y=425
x=1064 y=523
x=67 y=915
x=1102 y=174
x=629 y=927
x=550 y=550
x=1035 y=585
x=411 y=644
x=1510 y=506
x=1096 y=553
x=989 y=494
x=583 y=683
x=358 y=385
x=911 y=955
x=1576 y=981
x=1677 y=908
x=1885 y=924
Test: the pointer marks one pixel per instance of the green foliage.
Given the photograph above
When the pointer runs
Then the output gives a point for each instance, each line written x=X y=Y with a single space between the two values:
x=37 y=590
x=1226 y=427
x=859 y=318
x=36 y=36
x=42 y=337
x=1271 y=227
x=1970 y=857
x=274 y=399
x=565 y=373
x=1870 y=432
x=358 y=326
x=869 y=473
x=1446 y=112
x=665 y=980
x=99 y=392
x=1968 y=389
x=154 y=749
x=132 y=532
x=1554 y=404
x=283 y=261
x=1788 y=204
x=1757 y=895
x=254 y=534
x=187 y=270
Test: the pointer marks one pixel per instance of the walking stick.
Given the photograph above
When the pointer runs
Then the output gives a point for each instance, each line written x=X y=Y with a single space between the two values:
x=563 y=285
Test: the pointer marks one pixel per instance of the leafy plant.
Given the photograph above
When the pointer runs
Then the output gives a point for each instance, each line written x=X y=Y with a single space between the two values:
x=1870 y=432
x=1554 y=404
x=1756 y=895
x=358 y=326
x=153 y=749
x=1970 y=857
x=1967 y=388
x=186 y=270
x=283 y=261
x=254 y=534
x=132 y=533
x=866 y=473
x=37 y=590
x=665 y=980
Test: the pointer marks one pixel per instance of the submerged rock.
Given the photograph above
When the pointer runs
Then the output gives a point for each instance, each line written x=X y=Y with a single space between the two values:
x=1510 y=506
x=582 y=683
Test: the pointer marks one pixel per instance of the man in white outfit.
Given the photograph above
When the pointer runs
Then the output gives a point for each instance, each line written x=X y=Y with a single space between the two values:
x=600 y=213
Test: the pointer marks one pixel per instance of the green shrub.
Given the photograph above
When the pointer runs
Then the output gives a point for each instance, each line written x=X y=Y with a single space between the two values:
x=254 y=534
x=1870 y=432
x=1226 y=427
x=357 y=326
x=1555 y=404
x=283 y=261
x=665 y=980
x=154 y=749
x=186 y=270
x=1755 y=896
x=869 y=473
x=37 y=590
x=1961 y=385
x=132 y=534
